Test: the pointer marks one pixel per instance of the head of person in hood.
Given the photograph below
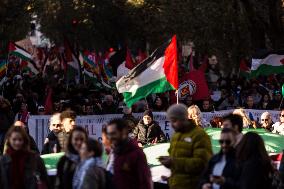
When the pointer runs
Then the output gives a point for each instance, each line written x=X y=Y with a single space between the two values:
x=148 y=117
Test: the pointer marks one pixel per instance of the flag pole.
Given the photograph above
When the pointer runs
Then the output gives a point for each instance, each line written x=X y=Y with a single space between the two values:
x=177 y=96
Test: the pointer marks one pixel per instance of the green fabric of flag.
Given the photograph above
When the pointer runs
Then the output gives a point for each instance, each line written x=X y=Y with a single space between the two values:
x=274 y=144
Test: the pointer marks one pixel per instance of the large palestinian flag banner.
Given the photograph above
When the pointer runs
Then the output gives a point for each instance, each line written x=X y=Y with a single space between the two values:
x=267 y=64
x=156 y=74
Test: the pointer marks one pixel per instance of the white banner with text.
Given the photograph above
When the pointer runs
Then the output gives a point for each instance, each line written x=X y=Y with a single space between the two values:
x=38 y=125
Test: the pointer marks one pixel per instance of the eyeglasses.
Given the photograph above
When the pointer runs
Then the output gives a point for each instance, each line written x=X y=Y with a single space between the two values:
x=282 y=115
x=264 y=119
x=227 y=142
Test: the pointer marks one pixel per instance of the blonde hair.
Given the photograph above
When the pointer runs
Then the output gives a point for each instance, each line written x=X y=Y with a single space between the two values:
x=246 y=120
x=194 y=110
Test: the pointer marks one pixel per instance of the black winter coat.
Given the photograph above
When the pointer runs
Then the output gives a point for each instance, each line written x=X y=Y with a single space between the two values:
x=33 y=145
x=147 y=134
x=65 y=172
x=253 y=175
x=229 y=171
x=49 y=146
x=34 y=166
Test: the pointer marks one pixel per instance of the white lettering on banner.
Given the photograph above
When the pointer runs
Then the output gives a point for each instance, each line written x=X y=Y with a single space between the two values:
x=38 y=125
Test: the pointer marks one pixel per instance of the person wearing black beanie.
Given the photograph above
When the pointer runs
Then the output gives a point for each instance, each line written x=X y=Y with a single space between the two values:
x=148 y=131
x=148 y=113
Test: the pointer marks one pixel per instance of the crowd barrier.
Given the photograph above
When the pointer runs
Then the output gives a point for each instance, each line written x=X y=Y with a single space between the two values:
x=38 y=125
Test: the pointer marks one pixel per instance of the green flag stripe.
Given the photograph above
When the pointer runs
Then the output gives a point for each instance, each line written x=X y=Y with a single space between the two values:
x=15 y=53
x=266 y=70
x=158 y=86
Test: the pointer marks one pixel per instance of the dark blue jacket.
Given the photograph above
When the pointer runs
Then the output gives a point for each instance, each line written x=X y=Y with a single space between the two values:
x=229 y=171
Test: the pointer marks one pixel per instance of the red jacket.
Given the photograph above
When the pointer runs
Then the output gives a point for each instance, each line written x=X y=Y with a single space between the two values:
x=131 y=170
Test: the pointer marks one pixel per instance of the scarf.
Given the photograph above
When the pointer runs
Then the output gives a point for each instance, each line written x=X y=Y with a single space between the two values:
x=81 y=172
x=17 y=168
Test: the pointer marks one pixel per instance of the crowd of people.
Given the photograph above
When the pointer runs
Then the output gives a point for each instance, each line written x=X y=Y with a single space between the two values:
x=242 y=163
x=28 y=95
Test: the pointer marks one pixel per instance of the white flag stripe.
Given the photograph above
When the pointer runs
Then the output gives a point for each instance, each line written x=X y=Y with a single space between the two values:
x=272 y=60
x=24 y=53
x=151 y=74
x=32 y=68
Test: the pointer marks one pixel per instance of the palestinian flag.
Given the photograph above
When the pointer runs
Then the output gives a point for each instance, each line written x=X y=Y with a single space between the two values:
x=19 y=52
x=91 y=77
x=29 y=67
x=27 y=64
x=3 y=68
x=156 y=74
x=126 y=65
x=73 y=69
x=244 y=68
x=122 y=61
x=98 y=82
x=267 y=63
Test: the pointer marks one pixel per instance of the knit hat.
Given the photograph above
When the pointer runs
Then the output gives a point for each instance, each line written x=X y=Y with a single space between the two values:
x=148 y=113
x=177 y=111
